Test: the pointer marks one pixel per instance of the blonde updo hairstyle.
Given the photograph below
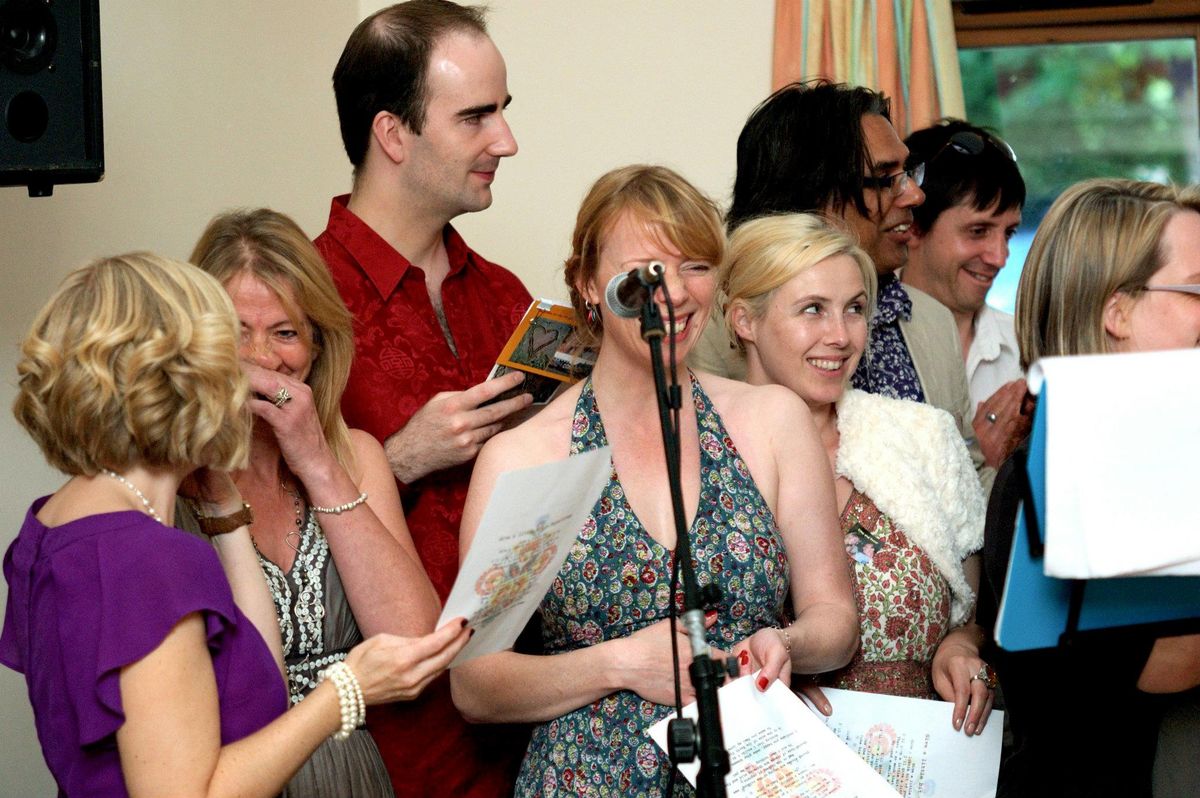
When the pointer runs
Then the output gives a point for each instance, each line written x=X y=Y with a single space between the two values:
x=660 y=199
x=133 y=361
x=1099 y=238
x=272 y=248
x=767 y=252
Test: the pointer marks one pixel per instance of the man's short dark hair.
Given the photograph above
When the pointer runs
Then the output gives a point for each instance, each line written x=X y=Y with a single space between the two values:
x=384 y=66
x=803 y=150
x=954 y=175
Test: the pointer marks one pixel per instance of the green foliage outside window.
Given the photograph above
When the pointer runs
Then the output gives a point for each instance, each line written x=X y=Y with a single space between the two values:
x=1074 y=111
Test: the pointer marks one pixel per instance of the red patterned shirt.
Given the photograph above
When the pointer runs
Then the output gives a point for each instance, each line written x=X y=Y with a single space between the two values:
x=401 y=360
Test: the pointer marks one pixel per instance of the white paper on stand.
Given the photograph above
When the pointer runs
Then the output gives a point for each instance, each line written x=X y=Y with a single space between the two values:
x=911 y=743
x=528 y=527
x=778 y=748
x=1122 y=433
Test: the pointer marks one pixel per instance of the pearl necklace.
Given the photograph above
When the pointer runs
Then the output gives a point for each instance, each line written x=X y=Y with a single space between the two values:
x=145 y=502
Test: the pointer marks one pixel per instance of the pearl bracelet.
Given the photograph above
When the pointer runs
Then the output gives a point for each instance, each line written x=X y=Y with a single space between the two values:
x=787 y=638
x=341 y=508
x=352 y=707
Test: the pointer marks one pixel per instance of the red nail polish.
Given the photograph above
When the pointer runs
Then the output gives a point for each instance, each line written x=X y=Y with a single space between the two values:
x=470 y=634
x=463 y=625
x=708 y=616
x=744 y=658
x=762 y=683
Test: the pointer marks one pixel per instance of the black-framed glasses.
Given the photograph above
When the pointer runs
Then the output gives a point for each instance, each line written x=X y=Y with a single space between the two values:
x=1189 y=288
x=897 y=183
x=970 y=143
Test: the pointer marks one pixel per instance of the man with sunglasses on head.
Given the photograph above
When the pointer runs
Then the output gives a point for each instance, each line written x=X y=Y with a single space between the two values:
x=829 y=148
x=973 y=199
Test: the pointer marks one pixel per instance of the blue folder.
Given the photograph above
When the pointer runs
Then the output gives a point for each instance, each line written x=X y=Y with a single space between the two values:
x=1039 y=611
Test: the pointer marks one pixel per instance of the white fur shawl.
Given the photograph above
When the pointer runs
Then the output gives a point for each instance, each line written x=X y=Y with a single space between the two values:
x=911 y=460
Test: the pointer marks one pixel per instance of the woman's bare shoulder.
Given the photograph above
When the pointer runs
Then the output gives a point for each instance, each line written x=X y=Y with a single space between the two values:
x=754 y=403
x=542 y=438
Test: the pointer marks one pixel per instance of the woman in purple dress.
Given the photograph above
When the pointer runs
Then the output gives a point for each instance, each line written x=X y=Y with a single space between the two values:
x=152 y=661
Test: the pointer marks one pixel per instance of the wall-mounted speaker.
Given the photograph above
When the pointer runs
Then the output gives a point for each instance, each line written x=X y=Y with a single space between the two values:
x=52 y=129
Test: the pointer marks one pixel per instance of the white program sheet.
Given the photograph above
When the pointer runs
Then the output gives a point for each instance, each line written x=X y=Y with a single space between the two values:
x=779 y=748
x=911 y=743
x=528 y=527
x=1121 y=438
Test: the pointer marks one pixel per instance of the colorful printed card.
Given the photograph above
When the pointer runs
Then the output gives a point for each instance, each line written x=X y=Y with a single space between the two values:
x=529 y=525
x=544 y=346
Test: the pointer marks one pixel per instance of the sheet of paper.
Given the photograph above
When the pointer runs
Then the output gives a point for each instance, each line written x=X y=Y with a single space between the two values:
x=910 y=742
x=528 y=527
x=779 y=749
x=1122 y=432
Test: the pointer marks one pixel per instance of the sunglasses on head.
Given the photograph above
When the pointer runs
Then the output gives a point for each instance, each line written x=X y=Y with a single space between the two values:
x=969 y=143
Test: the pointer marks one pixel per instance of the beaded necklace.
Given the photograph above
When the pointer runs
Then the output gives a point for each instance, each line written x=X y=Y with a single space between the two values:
x=303 y=636
x=145 y=502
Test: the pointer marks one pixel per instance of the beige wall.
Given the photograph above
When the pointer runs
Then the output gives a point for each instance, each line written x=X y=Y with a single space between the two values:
x=216 y=104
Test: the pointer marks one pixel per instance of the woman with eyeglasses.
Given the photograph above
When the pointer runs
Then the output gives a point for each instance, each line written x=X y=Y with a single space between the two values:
x=1114 y=267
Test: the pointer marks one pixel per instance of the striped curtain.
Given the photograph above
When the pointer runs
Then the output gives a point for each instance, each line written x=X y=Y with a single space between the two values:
x=904 y=48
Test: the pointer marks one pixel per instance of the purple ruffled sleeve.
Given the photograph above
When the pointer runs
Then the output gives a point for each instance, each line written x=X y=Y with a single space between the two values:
x=142 y=592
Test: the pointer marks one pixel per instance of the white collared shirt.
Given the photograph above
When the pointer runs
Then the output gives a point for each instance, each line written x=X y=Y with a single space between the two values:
x=993 y=358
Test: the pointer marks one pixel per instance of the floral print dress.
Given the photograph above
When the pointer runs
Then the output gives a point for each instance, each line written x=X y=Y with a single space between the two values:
x=903 y=606
x=616 y=580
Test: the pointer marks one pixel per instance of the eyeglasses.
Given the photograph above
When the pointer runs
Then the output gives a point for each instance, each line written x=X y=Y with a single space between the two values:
x=898 y=182
x=1178 y=289
x=969 y=143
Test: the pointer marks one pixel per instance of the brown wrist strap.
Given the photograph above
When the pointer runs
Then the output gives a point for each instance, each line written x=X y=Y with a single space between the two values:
x=222 y=524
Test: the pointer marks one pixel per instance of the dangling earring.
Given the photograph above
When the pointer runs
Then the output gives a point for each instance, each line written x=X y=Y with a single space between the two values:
x=593 y=316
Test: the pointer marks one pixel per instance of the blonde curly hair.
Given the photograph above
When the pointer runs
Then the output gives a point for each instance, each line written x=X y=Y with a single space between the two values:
x=134 y=361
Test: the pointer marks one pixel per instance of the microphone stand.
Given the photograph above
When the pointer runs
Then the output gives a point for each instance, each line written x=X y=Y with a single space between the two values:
x=706 y=673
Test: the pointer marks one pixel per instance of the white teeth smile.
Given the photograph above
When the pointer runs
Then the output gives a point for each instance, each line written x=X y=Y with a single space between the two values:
x=679 y=326
x=826 y=365
x=901 y=228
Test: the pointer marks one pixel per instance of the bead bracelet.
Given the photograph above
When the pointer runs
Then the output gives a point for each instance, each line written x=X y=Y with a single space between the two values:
x=786 y=637
x=341 y=508
x=351 y=706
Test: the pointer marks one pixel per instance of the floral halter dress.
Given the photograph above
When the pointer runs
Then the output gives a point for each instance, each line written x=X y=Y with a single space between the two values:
x=616 y=580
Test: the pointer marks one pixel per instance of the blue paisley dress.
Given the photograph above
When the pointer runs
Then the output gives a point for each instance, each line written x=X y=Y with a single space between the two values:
x=616 y=580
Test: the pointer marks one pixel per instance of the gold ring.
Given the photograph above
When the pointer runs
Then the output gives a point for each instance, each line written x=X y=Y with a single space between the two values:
x=282 y=397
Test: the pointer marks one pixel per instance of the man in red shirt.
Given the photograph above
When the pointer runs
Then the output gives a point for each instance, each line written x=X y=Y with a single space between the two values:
x=421 y=92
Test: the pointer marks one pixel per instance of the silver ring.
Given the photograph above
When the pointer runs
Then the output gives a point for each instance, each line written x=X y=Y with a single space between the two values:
x=987 y=676
x=991 y=418
x=282 y=397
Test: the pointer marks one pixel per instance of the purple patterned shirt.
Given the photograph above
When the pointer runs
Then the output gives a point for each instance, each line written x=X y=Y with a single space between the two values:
x=887 y=367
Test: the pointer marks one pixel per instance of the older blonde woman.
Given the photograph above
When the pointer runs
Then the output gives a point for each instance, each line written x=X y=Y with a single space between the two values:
x=1114 y=267
x=148 y=675
x=761 y=503
x=798 y=297
x=328 y=527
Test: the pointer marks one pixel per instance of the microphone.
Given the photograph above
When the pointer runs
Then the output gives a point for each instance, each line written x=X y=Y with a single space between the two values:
x=628 y=291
